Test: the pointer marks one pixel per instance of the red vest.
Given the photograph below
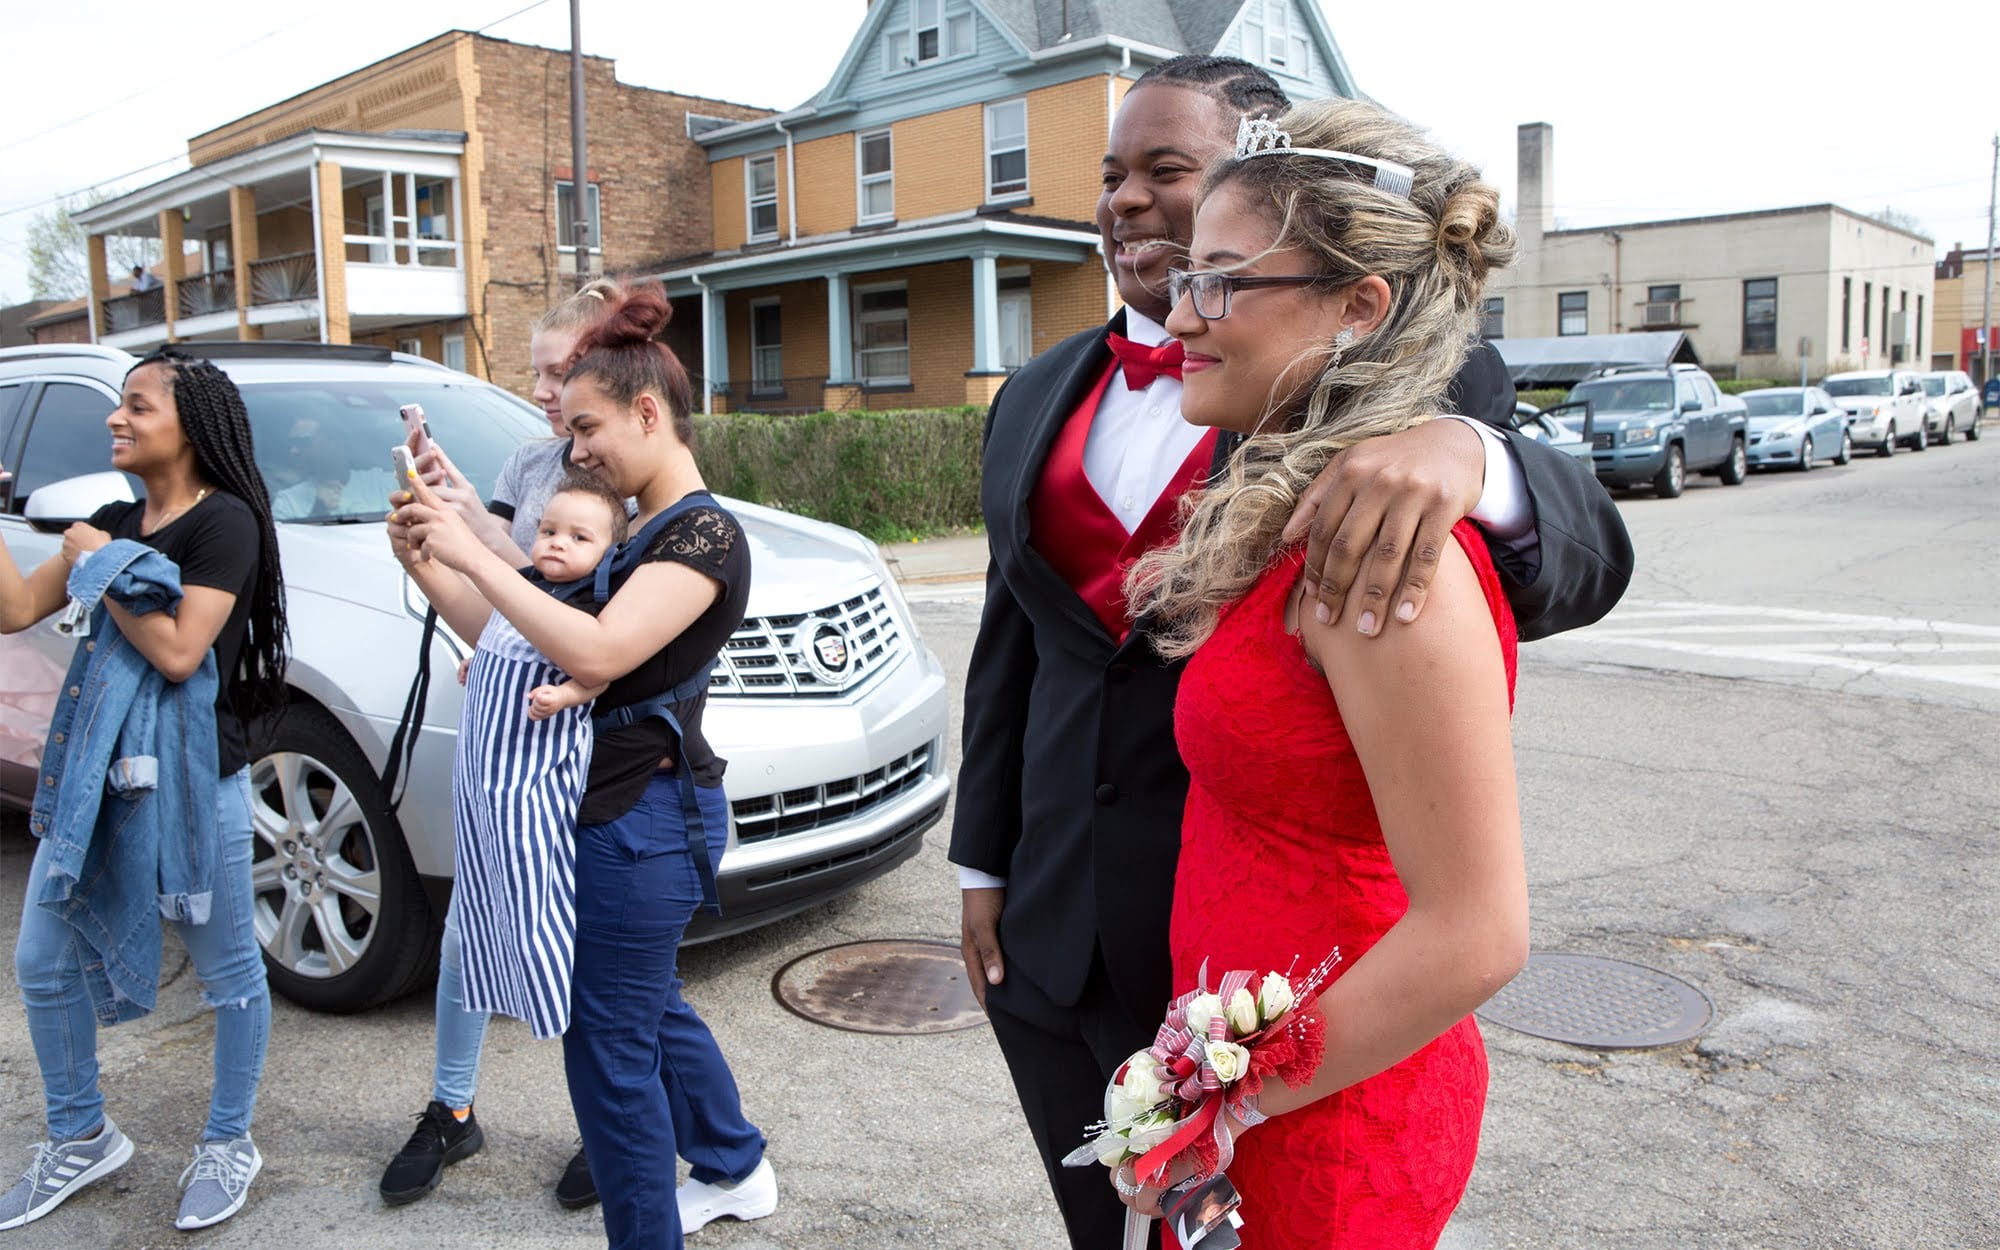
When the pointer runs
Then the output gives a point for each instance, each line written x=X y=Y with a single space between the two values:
x=1078 y=534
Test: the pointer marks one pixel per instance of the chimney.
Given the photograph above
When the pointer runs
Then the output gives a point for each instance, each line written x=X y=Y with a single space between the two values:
x=1535 y=190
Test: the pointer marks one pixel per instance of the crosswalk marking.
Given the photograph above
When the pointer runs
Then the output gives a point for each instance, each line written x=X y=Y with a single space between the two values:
x=1927 y=651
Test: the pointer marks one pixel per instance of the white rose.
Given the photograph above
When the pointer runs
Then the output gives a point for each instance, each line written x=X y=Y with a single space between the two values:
x=1229 y=1060
x=1274 y=997
x=1140 y=1085
x=1199 y=1010
x=1242 y=1013
x=1149 y=1133
x=1112 y=1149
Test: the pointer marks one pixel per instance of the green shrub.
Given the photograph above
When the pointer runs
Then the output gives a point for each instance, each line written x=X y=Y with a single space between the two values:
x=1736 y=386
x=895 y=476
x=1544 y=396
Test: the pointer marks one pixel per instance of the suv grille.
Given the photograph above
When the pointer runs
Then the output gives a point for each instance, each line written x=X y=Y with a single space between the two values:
x=1602 y=442
x=769 y=657
x=815 y=807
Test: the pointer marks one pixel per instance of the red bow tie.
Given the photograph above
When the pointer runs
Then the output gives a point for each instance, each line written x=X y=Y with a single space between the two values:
x=1142 y=364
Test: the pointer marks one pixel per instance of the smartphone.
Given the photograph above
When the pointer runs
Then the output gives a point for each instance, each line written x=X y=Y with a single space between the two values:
x=415 y=426
x=406 y=466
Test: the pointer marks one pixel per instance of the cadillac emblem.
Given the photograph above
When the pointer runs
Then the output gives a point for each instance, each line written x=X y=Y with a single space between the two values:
x=827 y=654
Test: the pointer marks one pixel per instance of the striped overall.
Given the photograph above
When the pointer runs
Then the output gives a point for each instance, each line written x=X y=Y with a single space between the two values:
x=515 y=788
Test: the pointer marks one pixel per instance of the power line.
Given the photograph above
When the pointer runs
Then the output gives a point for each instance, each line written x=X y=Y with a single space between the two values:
x=354 y=80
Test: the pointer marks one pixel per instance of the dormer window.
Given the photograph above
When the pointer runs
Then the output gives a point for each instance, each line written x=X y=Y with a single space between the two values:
x=938 y=30
x=1269 y=37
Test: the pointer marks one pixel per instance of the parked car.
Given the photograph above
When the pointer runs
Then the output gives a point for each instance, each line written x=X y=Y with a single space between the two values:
x=1548 y=426
x=1951 y=405
x=1794 y=426
x=829 y=708
x=1654 y=425
x=1885 y=407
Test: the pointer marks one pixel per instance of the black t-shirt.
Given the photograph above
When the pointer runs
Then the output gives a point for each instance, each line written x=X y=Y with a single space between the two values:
x=709 y=541
x=216 y=544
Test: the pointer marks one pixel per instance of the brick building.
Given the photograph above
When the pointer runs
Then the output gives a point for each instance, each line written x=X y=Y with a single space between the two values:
x=414 y=203
x=924 y=223
x=1961 y=280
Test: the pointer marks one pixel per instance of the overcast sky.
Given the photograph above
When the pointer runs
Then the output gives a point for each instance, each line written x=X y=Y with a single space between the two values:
x=1667 y=110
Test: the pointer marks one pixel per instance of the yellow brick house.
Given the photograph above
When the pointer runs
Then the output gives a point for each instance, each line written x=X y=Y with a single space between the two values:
x=924 y=224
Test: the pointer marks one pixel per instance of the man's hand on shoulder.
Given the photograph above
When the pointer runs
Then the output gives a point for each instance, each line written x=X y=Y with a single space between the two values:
x=1377 y=519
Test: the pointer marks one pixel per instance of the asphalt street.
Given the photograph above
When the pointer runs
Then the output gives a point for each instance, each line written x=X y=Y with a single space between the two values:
x=1769 y=773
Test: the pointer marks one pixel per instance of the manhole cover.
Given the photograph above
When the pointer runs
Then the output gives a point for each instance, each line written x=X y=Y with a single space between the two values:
x=897 y=986
x=1605 y=1004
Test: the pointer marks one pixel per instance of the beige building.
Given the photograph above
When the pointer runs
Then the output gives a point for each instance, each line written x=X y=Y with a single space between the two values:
x=1757 y=293
x=1961 y=301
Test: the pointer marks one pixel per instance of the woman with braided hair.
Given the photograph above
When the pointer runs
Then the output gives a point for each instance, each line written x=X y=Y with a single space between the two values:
x=1361 y=798
x=144 y=807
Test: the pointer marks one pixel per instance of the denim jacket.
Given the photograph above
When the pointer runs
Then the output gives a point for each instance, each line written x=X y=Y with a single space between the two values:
x=127 y=795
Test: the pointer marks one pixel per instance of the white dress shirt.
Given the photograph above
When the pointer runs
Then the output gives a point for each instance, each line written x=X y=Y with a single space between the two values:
x=1138 y=442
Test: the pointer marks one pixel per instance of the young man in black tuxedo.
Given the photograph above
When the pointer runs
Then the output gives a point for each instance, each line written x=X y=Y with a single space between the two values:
x=1070 y=791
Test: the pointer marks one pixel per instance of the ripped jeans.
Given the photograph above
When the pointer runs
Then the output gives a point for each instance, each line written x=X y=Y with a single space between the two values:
x=48 y=965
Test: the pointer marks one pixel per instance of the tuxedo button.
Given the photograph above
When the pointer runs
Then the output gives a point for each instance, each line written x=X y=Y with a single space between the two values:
x=1107 y=794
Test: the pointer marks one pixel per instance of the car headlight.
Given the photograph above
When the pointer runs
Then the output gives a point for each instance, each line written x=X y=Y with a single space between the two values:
x=1783 y=433
x=416 y=605
x=1641 y=433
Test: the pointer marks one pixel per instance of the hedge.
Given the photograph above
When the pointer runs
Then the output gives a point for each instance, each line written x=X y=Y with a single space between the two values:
x=895 y=476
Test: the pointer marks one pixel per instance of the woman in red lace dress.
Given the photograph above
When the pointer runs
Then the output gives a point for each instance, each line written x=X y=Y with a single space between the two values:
x=1348 y=792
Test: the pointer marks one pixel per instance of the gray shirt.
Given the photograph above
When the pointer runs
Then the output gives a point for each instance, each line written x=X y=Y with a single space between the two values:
x=528 y=479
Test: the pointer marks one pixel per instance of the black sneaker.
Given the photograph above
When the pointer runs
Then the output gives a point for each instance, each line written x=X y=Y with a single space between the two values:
x=441 y=1139
x=576 y=1190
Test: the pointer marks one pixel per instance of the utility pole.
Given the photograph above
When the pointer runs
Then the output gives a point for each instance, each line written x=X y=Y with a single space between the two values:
x=1986 y=304
x=579 y=181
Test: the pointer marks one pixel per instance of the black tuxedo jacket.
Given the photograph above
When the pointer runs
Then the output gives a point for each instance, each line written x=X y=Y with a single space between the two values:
x=1070 y=785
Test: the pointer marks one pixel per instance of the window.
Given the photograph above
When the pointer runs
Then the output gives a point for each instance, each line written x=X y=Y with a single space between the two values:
x=1685 y=391
x=1016 y=308
x=1919 y=354
x=1760 y=315
x=1663 y=304
x=882 y=334
x=1006 y=149
x=875 y=172
x=410 y=347
x=1269 y=37
x=1573 y=312
x=1884 y=340
x=767 y=353
x=66 y=439
x=1492 y=324
x=566 y=219
x=760 y=190
x=1867 y=302
x=10 y=407
x=938 y=30
x=1846 y=312
x=454 y=352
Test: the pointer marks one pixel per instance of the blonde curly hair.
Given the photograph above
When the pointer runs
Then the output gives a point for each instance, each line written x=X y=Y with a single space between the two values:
x=1434 y=248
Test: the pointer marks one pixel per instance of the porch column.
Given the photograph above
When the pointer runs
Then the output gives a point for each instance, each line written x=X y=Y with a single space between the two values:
x=843 y=388
x=242 y=251
x=982 y=381
x=100 y=285
x=170 y=254
x=715 y=347
x=330 y=234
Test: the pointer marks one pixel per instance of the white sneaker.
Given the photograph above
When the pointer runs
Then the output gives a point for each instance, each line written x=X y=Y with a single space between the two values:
x=214 y=1186
x=59 y=1170
x=752 y=1198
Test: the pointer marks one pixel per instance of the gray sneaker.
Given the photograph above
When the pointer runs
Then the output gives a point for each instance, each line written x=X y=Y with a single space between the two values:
x=214 y=1186
x=60 y=1170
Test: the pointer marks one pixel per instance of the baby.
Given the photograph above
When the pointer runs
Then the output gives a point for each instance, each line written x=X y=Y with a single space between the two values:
x=583 y=521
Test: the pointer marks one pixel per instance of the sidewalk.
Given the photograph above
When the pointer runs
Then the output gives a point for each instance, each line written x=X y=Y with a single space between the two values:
x=958 y=558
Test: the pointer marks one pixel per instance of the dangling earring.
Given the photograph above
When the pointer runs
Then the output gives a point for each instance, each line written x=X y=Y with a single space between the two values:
x=1341 y=342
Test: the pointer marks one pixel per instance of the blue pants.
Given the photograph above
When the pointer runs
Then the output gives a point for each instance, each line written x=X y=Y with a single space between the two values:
x=48 y=964
x=645 y=1075
x=461 y=1034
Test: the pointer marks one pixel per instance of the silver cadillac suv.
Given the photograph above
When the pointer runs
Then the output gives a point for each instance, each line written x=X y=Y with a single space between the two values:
x=827 y=705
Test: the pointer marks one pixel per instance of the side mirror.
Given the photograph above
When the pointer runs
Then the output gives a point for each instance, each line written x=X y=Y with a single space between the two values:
x=1690 y=405
x=1819 y=411
x=57 y=506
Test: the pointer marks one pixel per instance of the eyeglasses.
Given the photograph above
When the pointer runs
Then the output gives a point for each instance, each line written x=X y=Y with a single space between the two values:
x=1212 y=288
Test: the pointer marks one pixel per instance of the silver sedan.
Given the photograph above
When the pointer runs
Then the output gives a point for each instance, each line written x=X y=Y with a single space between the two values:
x=1793 y=427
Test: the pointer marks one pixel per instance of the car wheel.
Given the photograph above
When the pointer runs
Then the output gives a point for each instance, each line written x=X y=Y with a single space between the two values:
x=1888 y=447
x=1737 y=468
x=1972 y=431
x=1950 y=428
x=1805 y=455
x=339 y=910
x=1672 y=477
x=1921 y=439
x=1846 y=448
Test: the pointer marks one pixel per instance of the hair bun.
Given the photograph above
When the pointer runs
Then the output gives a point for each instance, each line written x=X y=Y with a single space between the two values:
x=634 y=315
x=1470 y=227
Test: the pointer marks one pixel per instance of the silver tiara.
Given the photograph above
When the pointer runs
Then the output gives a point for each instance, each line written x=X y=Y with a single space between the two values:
x=1260 y=136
